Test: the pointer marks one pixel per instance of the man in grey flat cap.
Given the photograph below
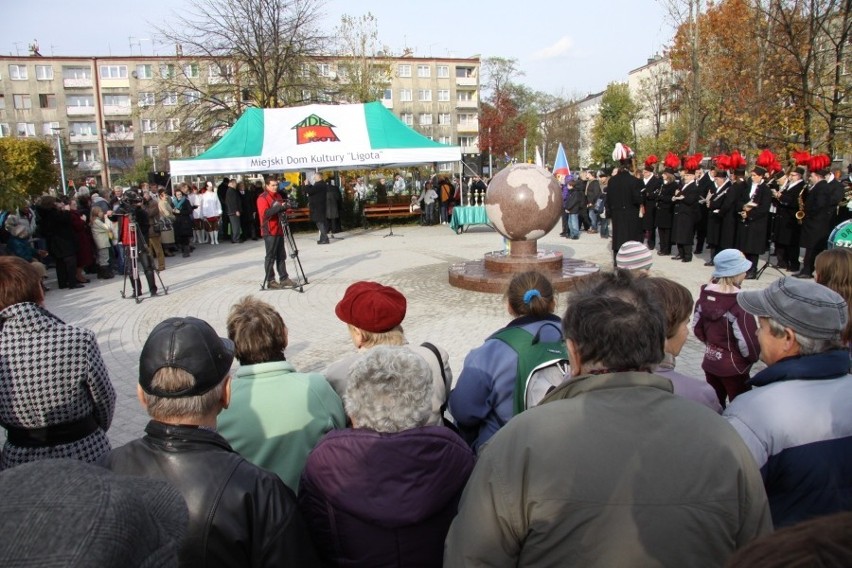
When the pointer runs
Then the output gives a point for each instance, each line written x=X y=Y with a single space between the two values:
x=798 y=421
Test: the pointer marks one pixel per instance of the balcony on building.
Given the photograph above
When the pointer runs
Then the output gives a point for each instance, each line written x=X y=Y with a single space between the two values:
x=94 y=166
x=121 y=83
x=80 y=110
x=117 y=110
x=470 y=149
x=83 y=138
x=468 y=126
x=78 y=83
x=118 y=136
x=472 y=104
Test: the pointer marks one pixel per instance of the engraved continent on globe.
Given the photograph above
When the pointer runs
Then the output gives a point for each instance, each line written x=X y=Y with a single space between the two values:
x=523 y=202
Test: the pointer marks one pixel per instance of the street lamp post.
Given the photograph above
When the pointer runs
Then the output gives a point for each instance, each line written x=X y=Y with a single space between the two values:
x=58 y=132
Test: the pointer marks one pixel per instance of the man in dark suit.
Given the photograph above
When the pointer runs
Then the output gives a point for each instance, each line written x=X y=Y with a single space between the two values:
x=818 y=222
x=650 y=195
x=317 y=203
x=624 y=196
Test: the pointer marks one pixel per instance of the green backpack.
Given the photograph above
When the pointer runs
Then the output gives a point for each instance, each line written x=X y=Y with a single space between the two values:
x=542 y=365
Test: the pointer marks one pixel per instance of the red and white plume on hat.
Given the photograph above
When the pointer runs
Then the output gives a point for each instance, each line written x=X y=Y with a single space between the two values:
x=672 y=162
x=765 y=159
x=737 y=160
x=801 y=157
x=692 y=163
x=621 y=152
x=651 y=161
x=819 y=162
x=723 y=162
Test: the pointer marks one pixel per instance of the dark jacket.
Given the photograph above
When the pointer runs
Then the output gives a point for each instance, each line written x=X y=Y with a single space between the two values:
x=233 y=203
x=56 y=227
x=686 y=215
x=728 y=332
x=381 y=500
x=787 y=227
x=752 y=231
x=574 y=201
x=819 y=215
x=317 y=201
x=624 y=196
x=239 y=515
x=664 y=217
x=721 y=224
x=650 y=195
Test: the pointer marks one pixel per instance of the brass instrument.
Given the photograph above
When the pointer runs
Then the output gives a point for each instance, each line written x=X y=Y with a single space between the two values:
x=746 y=208
x=800 y=214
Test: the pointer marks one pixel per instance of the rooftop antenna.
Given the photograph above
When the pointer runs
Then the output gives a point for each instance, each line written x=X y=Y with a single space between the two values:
x=17 y=45
x=52 y=46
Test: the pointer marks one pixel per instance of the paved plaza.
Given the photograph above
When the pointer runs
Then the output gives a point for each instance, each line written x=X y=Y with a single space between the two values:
x=415 y=260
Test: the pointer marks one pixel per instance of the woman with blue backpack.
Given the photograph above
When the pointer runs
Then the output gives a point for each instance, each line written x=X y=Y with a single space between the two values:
x=515 y=367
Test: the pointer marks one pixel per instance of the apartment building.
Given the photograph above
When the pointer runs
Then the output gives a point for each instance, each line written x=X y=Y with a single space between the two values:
x=654 y=89
x=113 y=111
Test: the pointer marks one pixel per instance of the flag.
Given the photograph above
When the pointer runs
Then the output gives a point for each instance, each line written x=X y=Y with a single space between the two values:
x=538 y=161
x=560 y=166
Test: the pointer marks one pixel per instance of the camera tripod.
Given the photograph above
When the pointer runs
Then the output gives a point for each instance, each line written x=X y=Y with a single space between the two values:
x=132 y=259
x=291 y=250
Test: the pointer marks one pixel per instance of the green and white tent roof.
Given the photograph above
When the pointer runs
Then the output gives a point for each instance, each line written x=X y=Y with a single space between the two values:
x=316 y=137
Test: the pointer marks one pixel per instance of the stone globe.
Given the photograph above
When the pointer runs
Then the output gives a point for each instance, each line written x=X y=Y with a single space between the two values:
x=523 y=202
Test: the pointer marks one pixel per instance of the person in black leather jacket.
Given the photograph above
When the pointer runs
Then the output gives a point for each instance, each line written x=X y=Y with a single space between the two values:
x=239 y=514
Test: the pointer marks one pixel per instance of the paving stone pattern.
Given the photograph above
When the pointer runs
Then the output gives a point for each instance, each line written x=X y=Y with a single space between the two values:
x=415 y=260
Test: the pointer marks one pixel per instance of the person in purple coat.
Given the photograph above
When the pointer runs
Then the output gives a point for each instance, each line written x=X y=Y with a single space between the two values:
x=383 y=493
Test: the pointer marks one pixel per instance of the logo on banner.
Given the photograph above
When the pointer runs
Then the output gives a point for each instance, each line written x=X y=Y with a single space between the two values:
x=315 y=129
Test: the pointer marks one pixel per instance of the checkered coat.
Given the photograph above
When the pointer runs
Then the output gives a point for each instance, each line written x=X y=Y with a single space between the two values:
x=51 y=373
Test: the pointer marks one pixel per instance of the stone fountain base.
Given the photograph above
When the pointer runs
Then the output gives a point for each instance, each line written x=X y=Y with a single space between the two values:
x=496 y=269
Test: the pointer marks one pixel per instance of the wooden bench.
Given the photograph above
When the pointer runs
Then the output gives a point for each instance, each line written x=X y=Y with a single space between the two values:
x=299 y=215
x=388 y=210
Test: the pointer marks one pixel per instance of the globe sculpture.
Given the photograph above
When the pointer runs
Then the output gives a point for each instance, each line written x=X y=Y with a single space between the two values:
x=523 y=203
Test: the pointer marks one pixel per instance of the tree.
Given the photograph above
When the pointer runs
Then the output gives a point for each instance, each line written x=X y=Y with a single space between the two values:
x=501 y=128
x=614 y=123
x=363 y=70
x=26 y=170
x=136 y=174
x=238 y=53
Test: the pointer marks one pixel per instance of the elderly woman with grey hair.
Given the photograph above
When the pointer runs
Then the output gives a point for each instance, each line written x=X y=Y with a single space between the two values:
x=384 y=492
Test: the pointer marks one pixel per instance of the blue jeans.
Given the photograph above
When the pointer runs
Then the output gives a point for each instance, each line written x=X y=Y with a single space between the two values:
x=574 y=225
x=603 y=228
x=595 y=218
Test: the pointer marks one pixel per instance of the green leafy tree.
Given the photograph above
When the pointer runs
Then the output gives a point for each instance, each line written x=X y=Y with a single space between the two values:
x=614 y=123
x=26 y=170
x=363 y=70
x=137 y=173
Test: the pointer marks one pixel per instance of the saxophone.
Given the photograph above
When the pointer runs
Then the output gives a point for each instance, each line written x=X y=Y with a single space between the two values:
x=800 y=214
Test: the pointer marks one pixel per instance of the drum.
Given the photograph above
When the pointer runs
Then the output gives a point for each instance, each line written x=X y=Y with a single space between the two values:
x=841 y=236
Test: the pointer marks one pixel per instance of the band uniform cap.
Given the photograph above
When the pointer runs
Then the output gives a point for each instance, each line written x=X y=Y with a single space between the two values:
x=65 y=512
x=190 y=344
x=759 y=170
x=730 y=262
x=799 y=170
x=806 y=307
x=372 y=307
x=634 y=255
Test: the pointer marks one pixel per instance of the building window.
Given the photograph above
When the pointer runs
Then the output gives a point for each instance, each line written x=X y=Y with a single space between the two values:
x=170 y=99
x=144 y=71
x=46 y=101
x=117 y=100
x=407 y=118
x=197 y=150
x=424 y=71
x=113 y=71
x=26 y=129
x=464 y=96
x=80 y=101
x=191 y=70
x=44 y=72
x=193 y=123
x=217 y=70
x=443 y=95
x=174 y=151
x=387 y=95
x=404 y=70
x=151 y=151
x=76 y=73
x=22 y=102
x=405 y=95
x=167 y=71
x=2 y=101
x=82 y=128
x=445 y=119
x=87 y=156
x=424 y=95
x=464 y=72
x=426 y=119
x=467 y=140
x=467 y=118
x=119 y=127
x=48 y=128
x=192 y=96
x=172 y=125
x=444 y=140
x=123 y=153
x=147 y=99
x=149 y=125
x=443 y=71
x=4 y=130
x=18 y=72
x=324 y=69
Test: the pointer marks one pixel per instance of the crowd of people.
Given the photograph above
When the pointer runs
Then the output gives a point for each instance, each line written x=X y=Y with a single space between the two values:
x=696 y=203
x=601 y=454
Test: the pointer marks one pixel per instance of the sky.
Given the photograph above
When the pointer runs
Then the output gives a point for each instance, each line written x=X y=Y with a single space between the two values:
x=569 y=48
